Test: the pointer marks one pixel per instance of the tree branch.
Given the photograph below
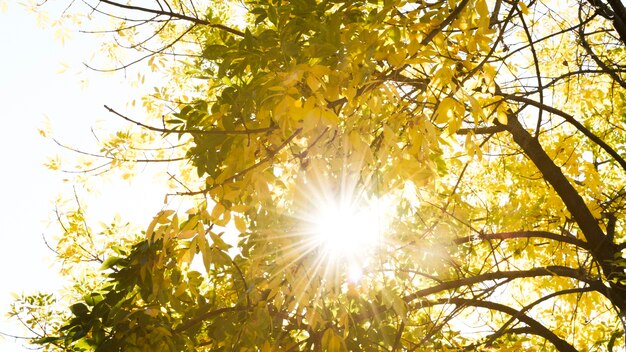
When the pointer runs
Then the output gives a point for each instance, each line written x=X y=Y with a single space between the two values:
x=600 y=246
x=114 y=158
x=192 y=131
x=619 y=18
x=536 y=328
x=481 y=130
x=176 y=15
x=526 y=308
x=453 y=15
x=553 y=174
x=563 y=271
x=523 y=234
x=569 y=118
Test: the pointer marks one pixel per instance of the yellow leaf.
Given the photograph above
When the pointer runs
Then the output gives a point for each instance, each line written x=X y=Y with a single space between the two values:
x=152 y=312
x=232 y=195
x=355 y=140
x=217 y=211
x=160 y=218
x=319 y=70
x=524 y=8
x=396 y=59
x=332 y=342
x=219 y=242
x=205 y=249
x=183 y=235
x=311 y=120
x=445 y=110
x=240 y=224
x=502 y=117
x=477 y=110
x=330 y=118
x=313 y=83
x=350 y=93
x=266 y=347
x=62 y=34
x=481 y=8
x=224 y=219
x=309 y=105
x=413 y=46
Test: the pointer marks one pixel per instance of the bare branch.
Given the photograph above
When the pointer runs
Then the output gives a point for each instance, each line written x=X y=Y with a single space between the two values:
x=176 y=15
x=192 y=131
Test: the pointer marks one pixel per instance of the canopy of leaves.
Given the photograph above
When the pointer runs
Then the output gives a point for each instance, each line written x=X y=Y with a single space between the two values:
x=489 y=134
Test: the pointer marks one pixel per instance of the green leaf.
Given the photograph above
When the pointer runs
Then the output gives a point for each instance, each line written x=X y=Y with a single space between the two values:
x=110 y=262
x=214 y=51
x=79 y=309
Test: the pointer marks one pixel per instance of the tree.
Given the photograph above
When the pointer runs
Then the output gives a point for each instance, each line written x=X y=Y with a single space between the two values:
x=482 y=141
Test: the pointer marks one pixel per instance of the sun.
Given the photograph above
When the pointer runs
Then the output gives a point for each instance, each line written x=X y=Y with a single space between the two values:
x=342 y=222
x=344 y=230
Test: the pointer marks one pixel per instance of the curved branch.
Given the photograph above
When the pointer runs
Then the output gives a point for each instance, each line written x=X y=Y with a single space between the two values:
x=605 y=68
x=526 y=308
x=114 y=158
x=563 y=271
x=523 y=234
x=569 y=118
x=536 y=328
x=176 y=15
x=192 y=131
x=619 y=20
x=556 y=79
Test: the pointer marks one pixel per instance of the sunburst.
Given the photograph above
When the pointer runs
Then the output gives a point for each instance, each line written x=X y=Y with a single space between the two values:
x=345 y=229
x=342 y=225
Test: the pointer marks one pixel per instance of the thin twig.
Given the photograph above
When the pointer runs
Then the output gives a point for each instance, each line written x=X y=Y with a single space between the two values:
x=192 y=131
x=177 y=15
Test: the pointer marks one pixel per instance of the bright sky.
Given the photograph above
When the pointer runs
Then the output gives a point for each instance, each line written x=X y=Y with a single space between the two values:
x=31 y=90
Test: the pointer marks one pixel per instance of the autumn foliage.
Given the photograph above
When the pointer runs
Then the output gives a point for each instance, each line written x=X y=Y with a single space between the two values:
x=478 y=146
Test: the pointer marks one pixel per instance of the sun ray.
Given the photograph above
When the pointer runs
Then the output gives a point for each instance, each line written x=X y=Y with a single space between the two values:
x=331 y=232
x=340 y=223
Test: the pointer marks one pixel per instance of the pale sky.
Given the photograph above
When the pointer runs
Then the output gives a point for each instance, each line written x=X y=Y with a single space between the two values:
x=31 y=90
